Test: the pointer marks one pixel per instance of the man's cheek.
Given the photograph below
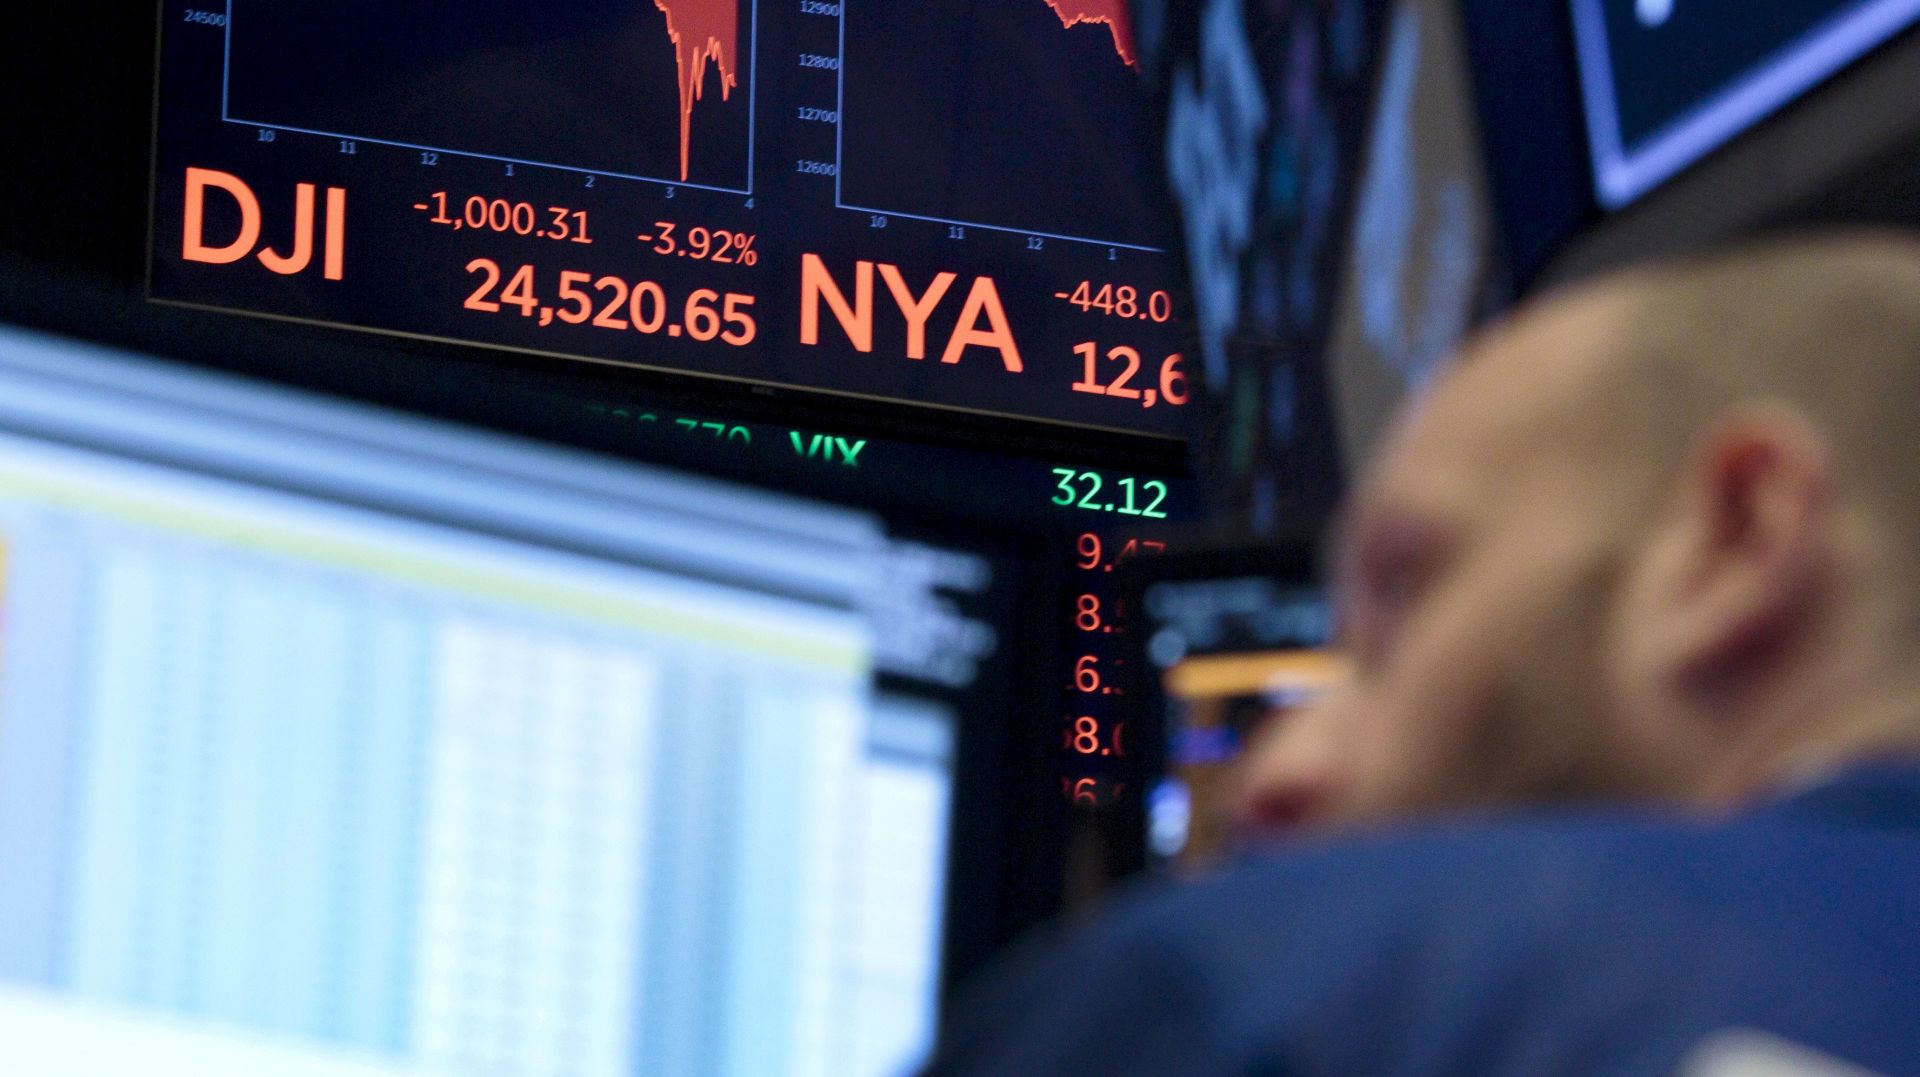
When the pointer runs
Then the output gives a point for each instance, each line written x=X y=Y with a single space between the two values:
x=1423 y=744
x=1391 y=759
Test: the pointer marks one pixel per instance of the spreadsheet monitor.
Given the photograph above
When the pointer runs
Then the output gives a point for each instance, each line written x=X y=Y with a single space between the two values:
x=336 y=742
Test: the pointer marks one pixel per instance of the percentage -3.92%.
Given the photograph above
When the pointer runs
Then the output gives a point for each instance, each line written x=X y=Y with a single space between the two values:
x=480 y=213
x=702 y=244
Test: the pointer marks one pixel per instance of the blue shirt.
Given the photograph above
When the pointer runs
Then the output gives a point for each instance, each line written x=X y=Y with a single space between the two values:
x=1590 y=943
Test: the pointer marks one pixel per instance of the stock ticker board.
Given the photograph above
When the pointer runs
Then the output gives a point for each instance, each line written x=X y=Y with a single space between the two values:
x=937 y=203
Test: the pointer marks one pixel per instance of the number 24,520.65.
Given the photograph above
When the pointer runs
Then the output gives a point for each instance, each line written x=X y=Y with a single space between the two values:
x=642 y=306
x=1081 y=490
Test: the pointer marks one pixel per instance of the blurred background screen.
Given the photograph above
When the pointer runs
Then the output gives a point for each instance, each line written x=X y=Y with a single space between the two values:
x=1666 y=83
x=334 y=741
x=1326 y=164
x=1360 y=183
x=1234 y=642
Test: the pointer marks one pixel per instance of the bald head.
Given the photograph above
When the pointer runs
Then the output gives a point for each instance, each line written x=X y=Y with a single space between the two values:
x=1652 y=538
x=1827 y=328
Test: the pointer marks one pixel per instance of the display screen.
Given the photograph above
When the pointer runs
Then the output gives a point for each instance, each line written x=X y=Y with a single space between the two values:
x=1667 y=81
x=1263 y=112
x=1421 y=258
x=1233 y=643
x=937 y=203
x=341 y=743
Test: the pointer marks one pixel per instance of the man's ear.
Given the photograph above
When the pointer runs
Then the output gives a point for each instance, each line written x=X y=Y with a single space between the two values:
x=1749 y=548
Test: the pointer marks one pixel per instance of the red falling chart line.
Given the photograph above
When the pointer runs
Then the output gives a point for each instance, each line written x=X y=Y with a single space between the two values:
x=702 y=31
x=1111 y=13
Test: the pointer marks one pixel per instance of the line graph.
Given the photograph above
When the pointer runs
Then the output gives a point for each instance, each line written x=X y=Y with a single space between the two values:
x=702 y=31
x=1109 y=13
x=1009 y=115
x=651 y=90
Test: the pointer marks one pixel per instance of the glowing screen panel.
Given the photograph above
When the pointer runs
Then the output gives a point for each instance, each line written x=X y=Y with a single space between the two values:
x=1666 y=82
x=936 y=203
x=332 y=744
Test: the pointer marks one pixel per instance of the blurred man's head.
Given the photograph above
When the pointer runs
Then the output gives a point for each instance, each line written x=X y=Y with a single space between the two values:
x=1657 y=539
